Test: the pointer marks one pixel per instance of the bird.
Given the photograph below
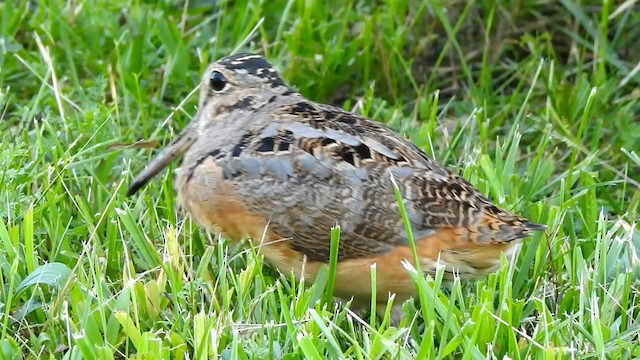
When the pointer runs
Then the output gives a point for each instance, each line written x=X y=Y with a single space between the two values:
x=262 y=162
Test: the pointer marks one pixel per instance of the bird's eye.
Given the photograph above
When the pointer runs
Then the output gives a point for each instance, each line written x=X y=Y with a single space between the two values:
x=217 y=81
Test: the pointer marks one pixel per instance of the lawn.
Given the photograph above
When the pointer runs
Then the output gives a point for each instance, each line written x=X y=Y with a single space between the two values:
x=536 y=103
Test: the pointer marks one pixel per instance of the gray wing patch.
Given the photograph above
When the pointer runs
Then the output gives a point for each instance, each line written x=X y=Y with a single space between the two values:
x=342 y=137
x=279 y=167
x=301 y=130
x=379 y=148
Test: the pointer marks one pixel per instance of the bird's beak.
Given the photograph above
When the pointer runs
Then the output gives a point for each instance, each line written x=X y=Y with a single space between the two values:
x=177 y=147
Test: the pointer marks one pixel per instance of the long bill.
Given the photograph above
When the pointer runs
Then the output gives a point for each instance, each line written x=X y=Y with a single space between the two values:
x=177 y=147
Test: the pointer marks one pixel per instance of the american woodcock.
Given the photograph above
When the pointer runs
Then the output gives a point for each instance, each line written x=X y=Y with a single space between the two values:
x=263 y=162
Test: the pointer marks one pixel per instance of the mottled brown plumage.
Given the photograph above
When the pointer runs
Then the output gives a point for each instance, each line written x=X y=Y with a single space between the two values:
x=263 y=162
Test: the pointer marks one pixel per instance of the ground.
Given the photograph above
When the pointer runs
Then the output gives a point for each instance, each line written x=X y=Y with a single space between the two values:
x=534 y=102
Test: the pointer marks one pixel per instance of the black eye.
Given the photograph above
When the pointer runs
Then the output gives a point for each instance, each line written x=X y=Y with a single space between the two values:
x=217 y=81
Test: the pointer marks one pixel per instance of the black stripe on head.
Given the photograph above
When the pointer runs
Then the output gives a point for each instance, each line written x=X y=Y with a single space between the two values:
x=254 y=65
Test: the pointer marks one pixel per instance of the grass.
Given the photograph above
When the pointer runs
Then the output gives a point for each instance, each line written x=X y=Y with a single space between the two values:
x=535 y=102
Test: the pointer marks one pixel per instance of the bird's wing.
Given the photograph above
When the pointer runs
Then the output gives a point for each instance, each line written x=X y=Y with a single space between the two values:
x=316 y=166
